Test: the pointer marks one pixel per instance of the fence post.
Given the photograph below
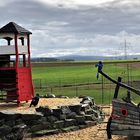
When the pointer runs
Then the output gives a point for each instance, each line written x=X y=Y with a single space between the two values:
x=40 y=84
x=60 y=85
x=102 y=90
x=76 y=91
x=51 y=90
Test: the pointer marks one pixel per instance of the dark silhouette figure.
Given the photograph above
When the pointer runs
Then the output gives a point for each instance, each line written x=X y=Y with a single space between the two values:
x=35 y=100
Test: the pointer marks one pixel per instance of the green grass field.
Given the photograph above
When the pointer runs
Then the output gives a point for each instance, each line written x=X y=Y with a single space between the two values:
x=81 y=80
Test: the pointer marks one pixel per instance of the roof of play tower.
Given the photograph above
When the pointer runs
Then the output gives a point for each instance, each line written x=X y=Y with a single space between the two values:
x=12 y=27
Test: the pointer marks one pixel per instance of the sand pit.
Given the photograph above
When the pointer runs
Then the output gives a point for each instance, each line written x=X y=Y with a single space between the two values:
x=97 y=132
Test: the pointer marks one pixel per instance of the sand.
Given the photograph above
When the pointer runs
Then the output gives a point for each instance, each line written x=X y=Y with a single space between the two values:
x=97 y=132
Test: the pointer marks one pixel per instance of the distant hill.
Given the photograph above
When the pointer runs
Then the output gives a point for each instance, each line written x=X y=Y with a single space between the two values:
x=80 y=58
x=43 y=59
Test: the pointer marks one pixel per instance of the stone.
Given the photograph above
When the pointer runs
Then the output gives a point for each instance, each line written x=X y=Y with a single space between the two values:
x=45 y=132
x=70 y=122
x=7 y=115
x=71 y=128
x=42 y=120
x=83 y=126
x=4 y=130
x=52 y=119
x=80 y=120
x=62 y=116
x=31 y=122
x=59 y=124
x=82 y=113
x=57 y=112
x=96 y=113
x=85 y=107
x=18 y=121
x=89 y=111
x=2 y=121
x=71 y=115
x=46 y=111
x=45 y=125
x=10 y=123
x=50 y=95
x=90 y=123
x=10 y=136
x=19 y=131
x=65 y=109
x=75 y=108
x=87 y=100
x=90 y=117
x=29 y=117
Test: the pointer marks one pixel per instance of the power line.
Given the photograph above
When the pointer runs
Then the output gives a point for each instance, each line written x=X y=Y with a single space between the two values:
x=126 y=47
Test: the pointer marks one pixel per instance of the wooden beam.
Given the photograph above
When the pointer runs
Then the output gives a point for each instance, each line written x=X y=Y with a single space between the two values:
x=137 y=91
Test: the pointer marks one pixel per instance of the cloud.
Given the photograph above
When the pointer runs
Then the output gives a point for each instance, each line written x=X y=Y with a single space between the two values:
x=74 y=27
x=5 y=2
x=107 y=45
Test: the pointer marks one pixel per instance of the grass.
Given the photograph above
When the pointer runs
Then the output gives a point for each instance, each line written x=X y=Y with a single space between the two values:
x=65 y=75
x=57 y=80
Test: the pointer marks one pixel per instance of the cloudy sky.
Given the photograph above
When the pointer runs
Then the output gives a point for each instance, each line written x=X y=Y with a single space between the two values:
x=77 y=27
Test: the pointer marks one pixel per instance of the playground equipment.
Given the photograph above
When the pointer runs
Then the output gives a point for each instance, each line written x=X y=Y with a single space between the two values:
x=125 y=116
x=15 y=66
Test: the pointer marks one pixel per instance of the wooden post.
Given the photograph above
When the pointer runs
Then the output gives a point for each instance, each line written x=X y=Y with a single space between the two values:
x=136 y=91
x=28 y=45
x=16 y=50
x=117 y=88
x=24 y=60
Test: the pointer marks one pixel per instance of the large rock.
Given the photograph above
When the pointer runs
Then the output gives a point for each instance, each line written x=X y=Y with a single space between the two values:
x=45 y=132
x=71 y=115
x=46 y=111
x=75 y=108
x=87 y=100
x=70 y=122
x=57 y=112
x=70 y=128
x=52 y=119
x=59 y=124
x=7 y=115
x=43 y=126
x=19 y=131
x=31 y=119
x=5 y=130
x=2 y=122
x=65 y=109
x=80 y=120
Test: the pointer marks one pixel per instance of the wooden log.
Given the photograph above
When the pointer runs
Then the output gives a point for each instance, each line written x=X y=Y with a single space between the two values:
x=134 y=109
x=119 y=126
x=117 y=88
x=126 y=132
x=137 y=91
x=121 y=103
x=126 y=122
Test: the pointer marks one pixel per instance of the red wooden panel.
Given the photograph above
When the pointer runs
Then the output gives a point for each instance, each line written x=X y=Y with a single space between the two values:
x=25 y=84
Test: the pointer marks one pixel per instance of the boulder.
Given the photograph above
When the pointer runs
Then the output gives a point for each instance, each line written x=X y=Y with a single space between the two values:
x=45 y=110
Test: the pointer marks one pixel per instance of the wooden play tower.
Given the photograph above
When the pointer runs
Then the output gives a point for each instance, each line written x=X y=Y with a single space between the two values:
x=15 y=66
